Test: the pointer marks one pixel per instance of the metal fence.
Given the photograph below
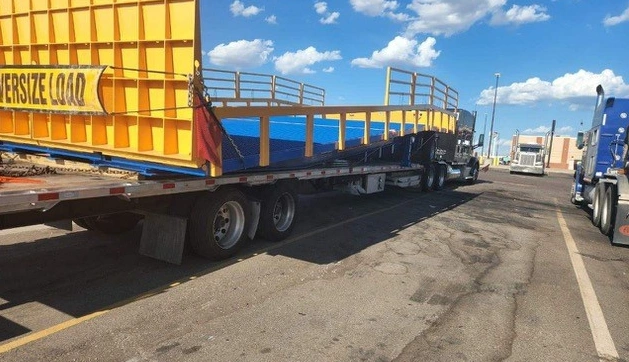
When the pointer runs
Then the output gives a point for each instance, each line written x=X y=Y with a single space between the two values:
x=243 y=88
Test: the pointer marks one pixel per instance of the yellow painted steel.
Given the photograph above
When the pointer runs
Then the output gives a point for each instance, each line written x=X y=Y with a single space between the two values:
x=423 y=117
x=152 y=53
x=309 y=135
x=366 y=131
x=149 y=48
x=265 y=140
x=342 y=129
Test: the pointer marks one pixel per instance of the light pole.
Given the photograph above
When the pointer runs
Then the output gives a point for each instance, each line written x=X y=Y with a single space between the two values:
x=493 y=113
x=482 y=150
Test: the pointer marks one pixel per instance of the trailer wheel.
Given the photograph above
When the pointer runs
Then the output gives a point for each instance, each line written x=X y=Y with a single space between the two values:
x=474 y=174
x=441 y=177
x=608 y=210
x=110 y=224
x=429 y=177
x=278 y=212
x=217 y=223
x=599 y=192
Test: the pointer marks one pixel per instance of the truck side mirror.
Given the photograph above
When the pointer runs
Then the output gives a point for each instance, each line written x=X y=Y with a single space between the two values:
x=580 y=140
x=481 y=140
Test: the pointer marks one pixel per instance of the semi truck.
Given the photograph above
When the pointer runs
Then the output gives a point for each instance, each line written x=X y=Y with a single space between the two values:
x=600 y=180
x=528 y=158
x=108 y=118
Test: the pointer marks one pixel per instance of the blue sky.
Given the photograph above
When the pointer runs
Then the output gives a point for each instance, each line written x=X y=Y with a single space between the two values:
x=550 y=54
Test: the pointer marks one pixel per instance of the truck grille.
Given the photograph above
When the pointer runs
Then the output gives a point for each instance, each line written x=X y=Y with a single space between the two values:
x=527 y=160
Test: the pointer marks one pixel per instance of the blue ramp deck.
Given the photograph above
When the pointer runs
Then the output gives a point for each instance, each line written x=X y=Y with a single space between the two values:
x=287 y=138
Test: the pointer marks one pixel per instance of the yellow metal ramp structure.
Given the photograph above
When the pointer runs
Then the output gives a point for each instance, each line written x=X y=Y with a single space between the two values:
x=148 y=49
x=122 y=80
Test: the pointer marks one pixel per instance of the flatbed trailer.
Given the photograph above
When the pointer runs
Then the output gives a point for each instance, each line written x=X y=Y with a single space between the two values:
x=262 y=202
x=141 y=136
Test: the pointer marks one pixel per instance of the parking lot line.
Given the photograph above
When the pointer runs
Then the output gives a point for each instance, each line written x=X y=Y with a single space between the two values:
x=603 y=341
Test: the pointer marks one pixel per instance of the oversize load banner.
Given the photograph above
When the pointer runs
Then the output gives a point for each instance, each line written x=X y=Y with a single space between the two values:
x=56 y=89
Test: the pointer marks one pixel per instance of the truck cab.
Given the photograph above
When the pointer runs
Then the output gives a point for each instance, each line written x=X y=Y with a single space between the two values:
x=603 y=143
x=600 y=181
x=528 y=158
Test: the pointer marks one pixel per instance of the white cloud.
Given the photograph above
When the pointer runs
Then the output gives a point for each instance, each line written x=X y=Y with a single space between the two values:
x=242 y=53
x=299 y=61
x=373 y=7
x=538 y=129
x=321 y=7
x=398 y=17
x=615 y=20
x=448 y=17
x=271 y=19
x=518 y=15
x=564 y=130
x=400 y=52
x=575 y=88
x=330 y=18
x=544 y=129
x=328 y=70
x=239 y=9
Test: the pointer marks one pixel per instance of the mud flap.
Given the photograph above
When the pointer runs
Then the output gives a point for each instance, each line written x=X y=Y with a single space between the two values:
x=621 y=224
x=163 y=237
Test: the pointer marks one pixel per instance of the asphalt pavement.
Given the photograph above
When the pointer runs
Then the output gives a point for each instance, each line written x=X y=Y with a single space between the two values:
x=506 y=269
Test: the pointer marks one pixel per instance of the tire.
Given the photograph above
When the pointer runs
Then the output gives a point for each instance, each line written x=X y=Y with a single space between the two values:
x=573 y=195
x=428 y=178
x=278 y=212
x=218 y=223
x=474 y=174
x=441 y=177
x=110 y=224
x=599 y=192
x=608 y=211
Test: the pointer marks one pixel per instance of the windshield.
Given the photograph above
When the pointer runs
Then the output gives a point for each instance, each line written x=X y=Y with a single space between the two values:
x=530 y=149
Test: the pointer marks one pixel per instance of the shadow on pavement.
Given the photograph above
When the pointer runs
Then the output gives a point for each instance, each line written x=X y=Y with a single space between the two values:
x=82 y=272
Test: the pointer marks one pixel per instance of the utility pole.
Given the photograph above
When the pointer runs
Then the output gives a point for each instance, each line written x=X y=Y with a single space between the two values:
x=482 y=150
x=550 y=148
x=493 y=113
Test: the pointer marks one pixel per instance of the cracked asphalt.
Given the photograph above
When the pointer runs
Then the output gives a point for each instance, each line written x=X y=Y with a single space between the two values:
x=471 y=273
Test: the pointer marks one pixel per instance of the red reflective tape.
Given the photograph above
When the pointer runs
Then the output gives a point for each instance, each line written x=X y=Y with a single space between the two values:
x=210 y=182
x=116 y=190
x=323 y=172
x=243 y=179
x=308 y=173
x=168 y=186
x=269 y=177
x=48 y=197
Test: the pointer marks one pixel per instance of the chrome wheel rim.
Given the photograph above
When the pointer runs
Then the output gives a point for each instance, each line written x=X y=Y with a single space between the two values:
x=229 y=224
x=284 y=212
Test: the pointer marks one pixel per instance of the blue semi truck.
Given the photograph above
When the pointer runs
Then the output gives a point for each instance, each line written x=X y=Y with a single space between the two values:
x=600 y=181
